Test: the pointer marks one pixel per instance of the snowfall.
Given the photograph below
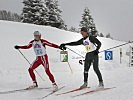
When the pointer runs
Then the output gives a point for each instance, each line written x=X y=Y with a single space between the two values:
x=14 y=68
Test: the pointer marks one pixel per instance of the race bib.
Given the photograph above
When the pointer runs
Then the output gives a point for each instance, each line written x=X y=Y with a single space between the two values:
x=88 y=48
x=39 y=48
x=89 y=45
x=38 y=51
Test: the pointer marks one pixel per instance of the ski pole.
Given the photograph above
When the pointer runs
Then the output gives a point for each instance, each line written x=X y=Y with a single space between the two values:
x=70 y=67
x=75 y=52
x=30 y=64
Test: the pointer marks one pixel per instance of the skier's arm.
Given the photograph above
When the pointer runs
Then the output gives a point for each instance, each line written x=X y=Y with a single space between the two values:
x=50 y=44
x=95 y=41
x=79 y=42
x=27 y=46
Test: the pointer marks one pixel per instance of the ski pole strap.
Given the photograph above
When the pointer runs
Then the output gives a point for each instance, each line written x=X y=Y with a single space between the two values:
x=75 y=52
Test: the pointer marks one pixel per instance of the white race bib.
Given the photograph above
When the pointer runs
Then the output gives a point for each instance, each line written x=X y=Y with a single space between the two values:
x=38 y=51
x=39 y=48
x=89 y=45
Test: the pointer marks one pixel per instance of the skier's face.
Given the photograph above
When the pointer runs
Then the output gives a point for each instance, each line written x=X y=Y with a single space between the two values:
x=84 y=34
x=37 y=37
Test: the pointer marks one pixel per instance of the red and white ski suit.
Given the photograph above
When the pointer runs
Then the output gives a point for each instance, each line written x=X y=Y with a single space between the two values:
x=41 y=57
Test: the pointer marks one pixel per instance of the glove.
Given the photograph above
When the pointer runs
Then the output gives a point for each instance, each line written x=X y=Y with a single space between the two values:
x=96 y=52
x=62 y=47
x=17 y=47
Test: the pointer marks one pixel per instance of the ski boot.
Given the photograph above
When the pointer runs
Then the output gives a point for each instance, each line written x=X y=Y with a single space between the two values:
x=101 y=85
x=55 y=87
x=35 y=85
x=84 y=85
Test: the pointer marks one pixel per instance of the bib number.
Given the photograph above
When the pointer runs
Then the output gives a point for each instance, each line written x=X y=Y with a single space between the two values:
x=88 y=48
x=39 y=52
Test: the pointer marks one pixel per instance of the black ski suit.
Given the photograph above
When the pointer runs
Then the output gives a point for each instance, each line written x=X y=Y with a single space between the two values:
x=91 y=57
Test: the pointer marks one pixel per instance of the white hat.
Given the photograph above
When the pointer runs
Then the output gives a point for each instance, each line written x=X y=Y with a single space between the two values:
x=37 y=33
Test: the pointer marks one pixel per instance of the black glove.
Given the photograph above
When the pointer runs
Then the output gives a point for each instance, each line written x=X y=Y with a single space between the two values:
x=62 y=47
x=96 y=52
x=17 y=47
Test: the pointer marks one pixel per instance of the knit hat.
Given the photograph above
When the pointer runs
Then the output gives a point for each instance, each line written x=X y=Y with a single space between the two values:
x=84 y=29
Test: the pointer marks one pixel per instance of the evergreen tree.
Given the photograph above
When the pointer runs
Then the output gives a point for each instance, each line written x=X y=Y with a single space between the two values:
x=88 y=22
x=73 y=29
x=0 y=15
x=5 y=15
x=109 y=36
x=54 y=14
x=101 y=35
x=34 y=12
x=9 y=16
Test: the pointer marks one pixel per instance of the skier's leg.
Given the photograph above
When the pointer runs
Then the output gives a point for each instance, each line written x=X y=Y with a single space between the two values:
x=87 y=67
x=51 y=77
x=34 y=65
x=45 y=63
x=96 y=68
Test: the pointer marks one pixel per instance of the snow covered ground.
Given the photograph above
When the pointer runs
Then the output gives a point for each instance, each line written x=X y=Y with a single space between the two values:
x=14 y=74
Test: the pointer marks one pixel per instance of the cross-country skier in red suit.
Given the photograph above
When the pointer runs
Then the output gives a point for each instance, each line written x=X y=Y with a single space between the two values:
x=39 y=46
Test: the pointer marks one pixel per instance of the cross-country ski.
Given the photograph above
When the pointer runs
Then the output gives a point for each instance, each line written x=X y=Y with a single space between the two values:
x=22 y=90
x=93 y=91
x=49 y=94
x=71 y=91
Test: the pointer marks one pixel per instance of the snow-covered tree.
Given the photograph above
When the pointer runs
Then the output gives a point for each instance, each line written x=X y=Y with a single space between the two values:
x=9 y=16
x=73 y=29
x=108 y=35
x=88 y=22
x=34 y=12
x=43 y=12
x=101 y=35
x=54 y=14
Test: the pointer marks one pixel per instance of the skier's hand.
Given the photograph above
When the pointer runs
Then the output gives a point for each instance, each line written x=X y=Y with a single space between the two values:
x=96 y=52
x=62 y=47
x=17 y=47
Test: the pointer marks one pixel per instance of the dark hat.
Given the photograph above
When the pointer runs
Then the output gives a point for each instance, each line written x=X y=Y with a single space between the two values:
x=84 y=29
